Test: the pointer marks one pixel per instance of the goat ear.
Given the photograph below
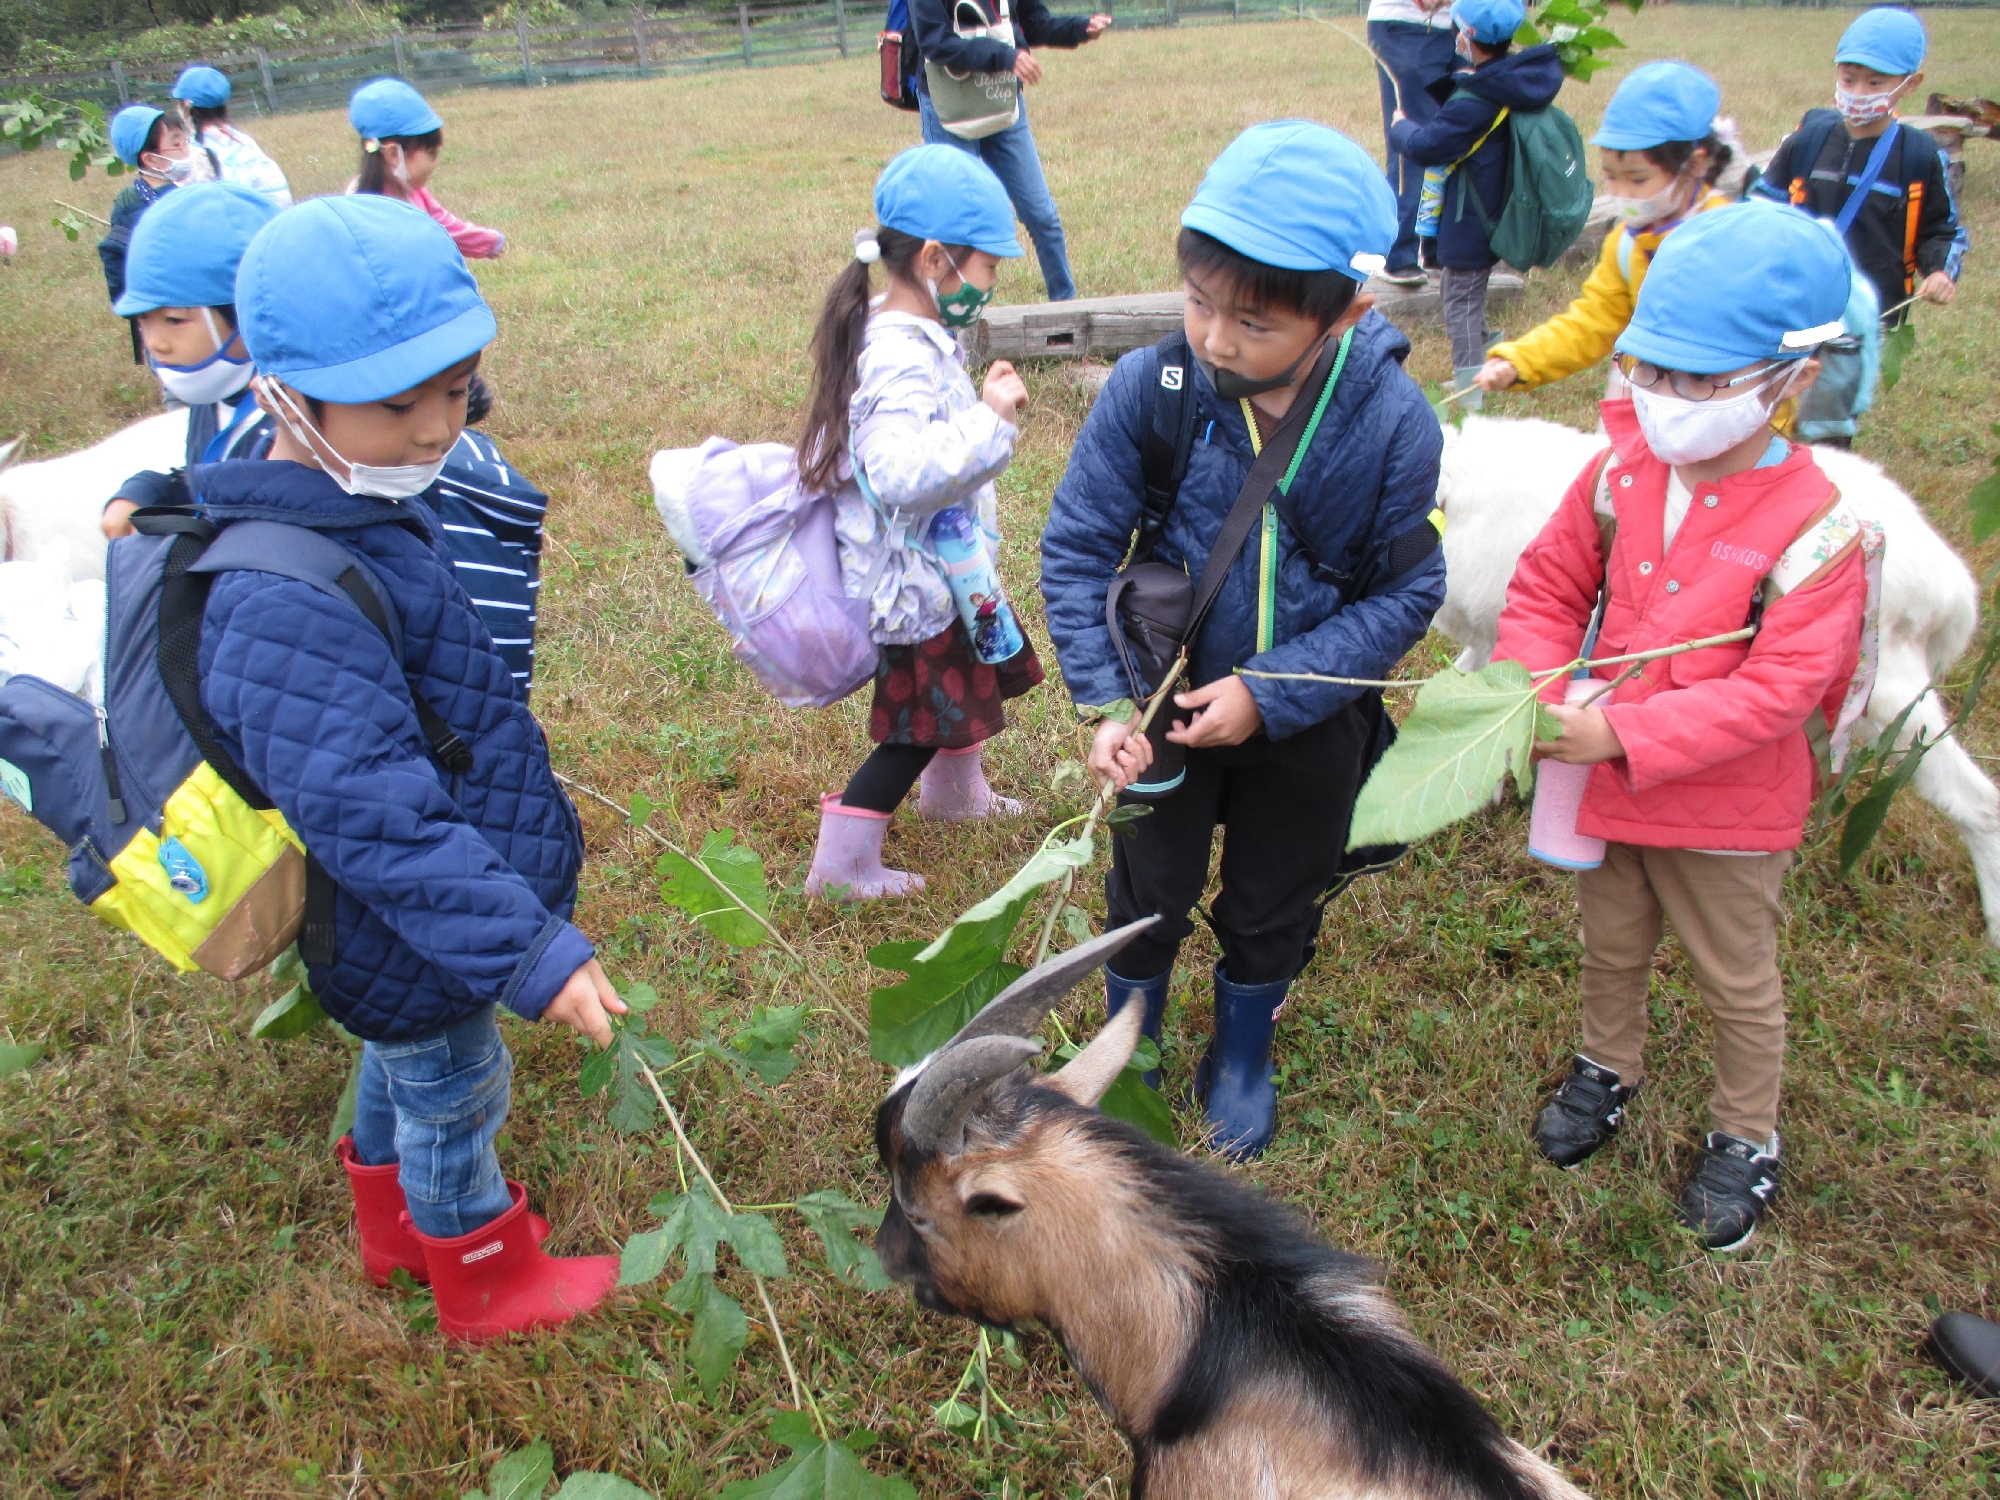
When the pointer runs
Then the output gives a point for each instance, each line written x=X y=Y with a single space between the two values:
x=1086 y=1076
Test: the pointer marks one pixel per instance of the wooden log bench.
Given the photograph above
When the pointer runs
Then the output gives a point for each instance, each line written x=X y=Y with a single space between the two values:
x=1101 y=328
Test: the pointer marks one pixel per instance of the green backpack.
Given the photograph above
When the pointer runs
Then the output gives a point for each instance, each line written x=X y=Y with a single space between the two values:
x=1548 y=192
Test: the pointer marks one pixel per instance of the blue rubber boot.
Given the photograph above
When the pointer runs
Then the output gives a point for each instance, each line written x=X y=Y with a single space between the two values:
x=1118 y=991
x=1233 y=1083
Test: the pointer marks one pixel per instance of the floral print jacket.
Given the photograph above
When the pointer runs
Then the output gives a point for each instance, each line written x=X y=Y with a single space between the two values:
x=923 y=440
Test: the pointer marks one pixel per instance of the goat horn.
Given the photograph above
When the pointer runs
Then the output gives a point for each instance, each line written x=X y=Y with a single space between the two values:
x=1020 y=1009
x=944 y=1093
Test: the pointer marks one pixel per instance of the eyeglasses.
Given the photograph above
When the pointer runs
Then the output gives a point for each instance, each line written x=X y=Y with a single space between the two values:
x=1683 y=383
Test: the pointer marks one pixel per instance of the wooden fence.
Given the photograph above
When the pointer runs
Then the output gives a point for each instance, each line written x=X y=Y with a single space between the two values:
x=641 y=46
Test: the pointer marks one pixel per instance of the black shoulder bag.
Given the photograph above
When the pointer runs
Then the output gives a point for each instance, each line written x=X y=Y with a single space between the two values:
x=1153 y=610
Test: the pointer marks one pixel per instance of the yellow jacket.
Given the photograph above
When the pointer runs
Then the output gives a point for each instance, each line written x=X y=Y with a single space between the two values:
x=1578 y=338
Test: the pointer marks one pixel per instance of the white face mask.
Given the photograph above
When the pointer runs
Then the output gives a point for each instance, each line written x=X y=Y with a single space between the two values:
x=1637 y=213
x=397 y=482
x=216 y=378
x=178 y=169
x=1865 y=109
x=1688 y=432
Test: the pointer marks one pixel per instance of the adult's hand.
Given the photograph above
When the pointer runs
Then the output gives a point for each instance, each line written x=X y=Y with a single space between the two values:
x=1097 y=27
x=1026 y=68
x=1226 y=714
x=583 y=1001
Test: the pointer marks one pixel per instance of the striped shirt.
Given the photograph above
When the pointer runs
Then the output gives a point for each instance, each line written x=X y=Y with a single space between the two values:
x=492 y=519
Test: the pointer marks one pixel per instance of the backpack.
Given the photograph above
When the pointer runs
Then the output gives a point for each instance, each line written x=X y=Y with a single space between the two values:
x=167 y=837
x=897 y=45
x=1919 y=151
x=973 y=106
x=1548 y=191
x=762 y=552
x=1164 y=450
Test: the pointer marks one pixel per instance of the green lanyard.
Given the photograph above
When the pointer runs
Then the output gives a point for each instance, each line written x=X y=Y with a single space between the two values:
x=1267 y=549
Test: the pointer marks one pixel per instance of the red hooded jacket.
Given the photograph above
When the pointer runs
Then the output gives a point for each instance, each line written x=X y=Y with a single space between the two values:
x=1716 y=755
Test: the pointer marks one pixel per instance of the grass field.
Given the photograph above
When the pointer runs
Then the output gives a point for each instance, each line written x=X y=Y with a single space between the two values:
x=180 y=1309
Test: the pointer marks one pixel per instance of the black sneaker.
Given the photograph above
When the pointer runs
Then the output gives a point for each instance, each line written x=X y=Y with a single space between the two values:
x=1409 y=276
x=1584 y=1113
x=1730 y=1190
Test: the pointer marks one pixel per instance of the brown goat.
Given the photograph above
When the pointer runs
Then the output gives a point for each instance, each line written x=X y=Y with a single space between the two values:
x=1242 y=1357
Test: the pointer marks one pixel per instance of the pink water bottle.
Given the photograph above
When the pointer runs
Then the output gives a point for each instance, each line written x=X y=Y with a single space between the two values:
x=1552 y=835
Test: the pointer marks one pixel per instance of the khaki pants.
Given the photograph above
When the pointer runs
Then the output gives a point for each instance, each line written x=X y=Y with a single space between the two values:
x=1724 y=911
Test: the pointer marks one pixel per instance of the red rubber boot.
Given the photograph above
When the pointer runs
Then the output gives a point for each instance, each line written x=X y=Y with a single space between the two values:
x=387 y=1243
x=497 y=1281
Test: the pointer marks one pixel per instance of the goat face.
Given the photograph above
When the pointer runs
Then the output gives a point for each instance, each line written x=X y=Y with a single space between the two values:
x=991 y=1171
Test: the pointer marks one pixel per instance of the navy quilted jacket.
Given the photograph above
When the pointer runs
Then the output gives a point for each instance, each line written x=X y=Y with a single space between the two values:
x=1369 y=474
x=455 y=892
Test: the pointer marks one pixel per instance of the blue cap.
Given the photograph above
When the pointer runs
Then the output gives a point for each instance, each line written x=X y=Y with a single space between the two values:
x=202 y=86
x=129 y=129
x=1886 y=39
x=1756 y=280
x=942 y=193
x=1491 y=22
x=185 y=248
x=1298 y=196
x=389 y=106
x=1656 y=103
x=357 y=298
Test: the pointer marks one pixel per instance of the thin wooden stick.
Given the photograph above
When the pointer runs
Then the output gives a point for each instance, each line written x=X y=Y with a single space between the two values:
x=1342 y=30
x=839 y=1005
x=107 y=223
x=1579 y=665
x=801 y=1397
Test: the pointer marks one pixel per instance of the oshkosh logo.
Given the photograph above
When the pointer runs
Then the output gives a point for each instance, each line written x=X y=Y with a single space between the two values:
x=1170 y=377
x=482 y=1252
x=1749 y=557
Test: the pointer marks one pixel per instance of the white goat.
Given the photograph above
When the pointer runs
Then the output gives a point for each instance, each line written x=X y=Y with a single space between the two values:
x=1502 y=479
x=49 y=509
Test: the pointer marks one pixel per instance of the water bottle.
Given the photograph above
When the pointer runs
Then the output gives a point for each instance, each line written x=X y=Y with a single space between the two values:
x=975 y=585
x=1559 y=787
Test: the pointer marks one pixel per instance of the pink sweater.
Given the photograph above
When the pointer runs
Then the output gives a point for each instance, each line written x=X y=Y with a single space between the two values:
x=474 y=242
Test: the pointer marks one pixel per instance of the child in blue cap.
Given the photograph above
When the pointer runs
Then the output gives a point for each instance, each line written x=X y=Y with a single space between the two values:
x=1699 y=519
x=1660 y=149
x=910 y=451
x=203 y=93
x=180 y=291
x=1885 y=187
x=1341 y=574
x=445 y=858
x=1471 y=136
x=156 y=147
x=401 y=137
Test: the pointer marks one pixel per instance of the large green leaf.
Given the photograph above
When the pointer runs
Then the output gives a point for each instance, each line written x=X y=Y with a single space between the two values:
x=1897 y=345
x=349 y=1100
x=834 y=1217
x=18 y=1057
x=520 y=1476
x=1864 y=820
x=738 y=869
x=601 y=1487
x=820 y=1471
x=633 y=1106
x=1050 y=862
x=720 y=1332
x=756 y=1244
x=909 y=1021
x=1129 y=1099
x=1465 y=732
x=293 y=1013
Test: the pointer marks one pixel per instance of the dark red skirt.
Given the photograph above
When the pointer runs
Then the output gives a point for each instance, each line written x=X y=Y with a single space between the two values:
x=938 y=695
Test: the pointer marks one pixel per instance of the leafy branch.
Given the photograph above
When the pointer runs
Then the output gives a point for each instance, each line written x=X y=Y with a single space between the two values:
x=1577 y=29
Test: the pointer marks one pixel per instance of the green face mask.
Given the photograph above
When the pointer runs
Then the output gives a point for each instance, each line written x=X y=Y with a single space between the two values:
x=959 y=309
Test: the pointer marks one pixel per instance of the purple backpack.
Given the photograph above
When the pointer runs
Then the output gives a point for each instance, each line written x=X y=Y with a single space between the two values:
x=763 y=553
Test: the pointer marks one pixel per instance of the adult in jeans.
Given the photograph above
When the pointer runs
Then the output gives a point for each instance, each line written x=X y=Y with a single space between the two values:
x=1414 y=39
x=1009 y=152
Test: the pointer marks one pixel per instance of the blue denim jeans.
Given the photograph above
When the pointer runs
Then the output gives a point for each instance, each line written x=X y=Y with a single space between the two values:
x=434 y=1105
x=1011 y=155
x=1418 y=56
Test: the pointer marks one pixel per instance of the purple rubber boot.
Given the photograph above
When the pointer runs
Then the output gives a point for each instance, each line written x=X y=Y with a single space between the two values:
x=847 y=861
x=953 y=789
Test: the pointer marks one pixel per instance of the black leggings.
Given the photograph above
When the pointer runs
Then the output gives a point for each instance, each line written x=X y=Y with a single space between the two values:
x=885 y=778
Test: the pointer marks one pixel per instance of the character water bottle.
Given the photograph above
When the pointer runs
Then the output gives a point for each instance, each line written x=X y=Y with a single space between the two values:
x=975 y=586
x=1552 y=835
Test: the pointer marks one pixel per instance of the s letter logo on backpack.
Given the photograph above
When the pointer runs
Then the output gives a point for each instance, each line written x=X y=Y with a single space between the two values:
x=1171 y=377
